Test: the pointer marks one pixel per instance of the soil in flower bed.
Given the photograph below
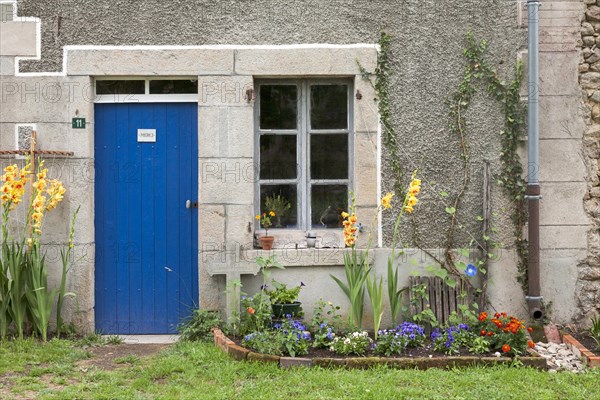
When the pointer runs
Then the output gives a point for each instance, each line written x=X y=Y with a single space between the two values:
x=585 y=340
x=413 y=352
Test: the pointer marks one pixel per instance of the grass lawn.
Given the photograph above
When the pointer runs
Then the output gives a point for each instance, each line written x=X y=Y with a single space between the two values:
x=63 y=369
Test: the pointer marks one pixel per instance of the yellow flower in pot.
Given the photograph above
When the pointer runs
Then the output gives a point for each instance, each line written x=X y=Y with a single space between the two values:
x=266 y=241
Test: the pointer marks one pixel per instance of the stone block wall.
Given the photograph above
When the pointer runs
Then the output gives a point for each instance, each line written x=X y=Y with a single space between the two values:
x=588 y=287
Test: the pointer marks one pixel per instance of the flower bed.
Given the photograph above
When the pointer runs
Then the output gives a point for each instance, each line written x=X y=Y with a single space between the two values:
x=590 y=359
x=420 y=361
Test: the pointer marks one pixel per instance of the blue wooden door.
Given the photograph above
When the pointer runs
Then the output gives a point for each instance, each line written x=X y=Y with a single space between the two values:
x=146 y=271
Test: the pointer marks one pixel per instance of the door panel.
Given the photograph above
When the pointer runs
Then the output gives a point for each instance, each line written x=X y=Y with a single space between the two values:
x=146 y=269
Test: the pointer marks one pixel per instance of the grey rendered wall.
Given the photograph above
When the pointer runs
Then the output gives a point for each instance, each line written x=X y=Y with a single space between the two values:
x=427 y=62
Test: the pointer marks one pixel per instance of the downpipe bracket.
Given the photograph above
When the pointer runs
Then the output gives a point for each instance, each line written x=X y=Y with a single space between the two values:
x=533 y=197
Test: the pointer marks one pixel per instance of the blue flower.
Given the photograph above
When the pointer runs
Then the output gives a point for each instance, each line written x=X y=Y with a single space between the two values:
x=463 y=327
x=330 y=335
x=435 y=334
x=471 y=270
x=277 y=326
x=323 y=325
x=306 y=335
x=302 y=284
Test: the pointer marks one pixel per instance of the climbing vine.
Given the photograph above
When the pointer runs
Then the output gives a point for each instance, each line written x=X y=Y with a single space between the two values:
x=382 y=88
x=508 y=95
x=477 y=71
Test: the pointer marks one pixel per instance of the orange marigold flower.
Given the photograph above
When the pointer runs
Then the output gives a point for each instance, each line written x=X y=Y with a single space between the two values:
x=531 y=344
x=505 y=348
x=251 y=310
x=490 y=333
x=483 y=316
x=529 y=329
x=483 y=332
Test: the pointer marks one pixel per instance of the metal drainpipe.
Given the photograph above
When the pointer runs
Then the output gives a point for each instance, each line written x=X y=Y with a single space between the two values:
x=534 y=298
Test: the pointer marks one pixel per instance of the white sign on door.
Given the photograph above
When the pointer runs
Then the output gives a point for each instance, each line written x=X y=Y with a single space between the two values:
x=146 y=135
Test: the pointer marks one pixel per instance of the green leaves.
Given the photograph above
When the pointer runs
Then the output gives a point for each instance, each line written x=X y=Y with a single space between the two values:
x=357 y=271
x=450 y=210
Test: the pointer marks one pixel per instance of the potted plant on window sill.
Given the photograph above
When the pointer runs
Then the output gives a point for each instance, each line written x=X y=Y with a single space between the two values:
x=266 y=241
x=284 y=300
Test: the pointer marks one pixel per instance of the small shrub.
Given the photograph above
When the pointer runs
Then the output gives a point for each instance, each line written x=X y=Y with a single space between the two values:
x=323 y=336
x=199 y=326
x=356 y=343
x=289 y=337
x=504 y=333
x=282 y=295
x=293 y=337
x=480 y=345
x=450 y=339
x=262 y=342
x=256 y=312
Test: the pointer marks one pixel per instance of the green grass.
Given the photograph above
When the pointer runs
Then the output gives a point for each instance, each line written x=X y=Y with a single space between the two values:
x=200 y=371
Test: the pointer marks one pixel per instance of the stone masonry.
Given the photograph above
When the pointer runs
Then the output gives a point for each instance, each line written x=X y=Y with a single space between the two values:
x=589 y=79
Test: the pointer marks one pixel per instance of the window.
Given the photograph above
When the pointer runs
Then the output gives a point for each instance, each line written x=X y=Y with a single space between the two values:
x=111 y=90
x=304 y=143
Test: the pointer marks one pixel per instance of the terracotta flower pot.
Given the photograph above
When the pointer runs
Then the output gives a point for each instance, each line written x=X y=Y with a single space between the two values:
x=266 y=242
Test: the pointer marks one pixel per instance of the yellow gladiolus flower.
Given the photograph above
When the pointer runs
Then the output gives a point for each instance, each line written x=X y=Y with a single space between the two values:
x=37 y=217
x=412 y=201
x=408 y=209
x=386 y=201
x=345 y=214
x=353 y=218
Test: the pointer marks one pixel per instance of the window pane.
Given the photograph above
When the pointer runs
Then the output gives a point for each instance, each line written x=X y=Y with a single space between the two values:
x=328 y=202
x=329 y=156
x=181 y=86
x=278 y=106
x=329 y=106
x=278 y=157
x=285 y=217
x=120 y=87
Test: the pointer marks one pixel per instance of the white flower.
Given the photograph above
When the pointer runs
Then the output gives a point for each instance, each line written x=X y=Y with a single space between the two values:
x=347 y=341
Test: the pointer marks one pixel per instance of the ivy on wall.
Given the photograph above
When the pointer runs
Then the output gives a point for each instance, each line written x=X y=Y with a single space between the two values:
x=477 y=72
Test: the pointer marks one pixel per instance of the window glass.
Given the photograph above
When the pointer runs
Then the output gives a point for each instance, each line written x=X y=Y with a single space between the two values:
x=121 y=87
x=278 y=157
x=329 y=106
x=278 y=106
x=329 y=156
x=174 y=86
x=328 y=202
x=285 y=194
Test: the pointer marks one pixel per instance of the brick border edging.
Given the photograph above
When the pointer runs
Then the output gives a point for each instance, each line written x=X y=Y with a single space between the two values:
x=242 y=354
x=589 y=358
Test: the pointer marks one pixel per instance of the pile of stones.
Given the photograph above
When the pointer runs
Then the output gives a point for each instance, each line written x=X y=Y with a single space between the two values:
x=559 y=357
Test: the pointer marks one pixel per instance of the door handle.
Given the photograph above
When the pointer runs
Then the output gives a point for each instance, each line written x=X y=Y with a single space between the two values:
x=191 y=204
